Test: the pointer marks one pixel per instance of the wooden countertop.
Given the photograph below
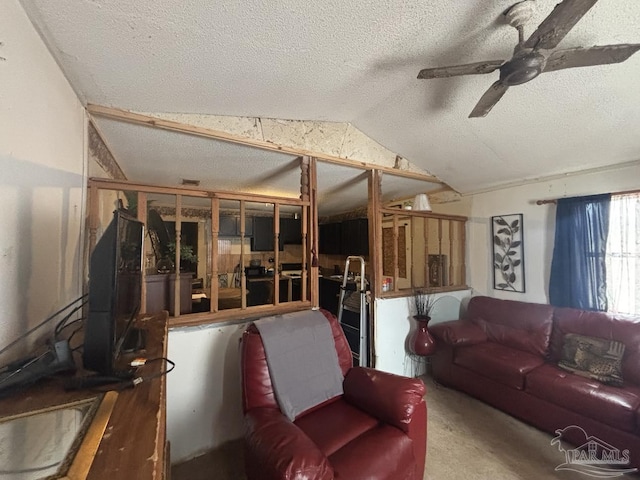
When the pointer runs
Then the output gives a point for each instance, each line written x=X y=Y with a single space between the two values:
x=133 y=445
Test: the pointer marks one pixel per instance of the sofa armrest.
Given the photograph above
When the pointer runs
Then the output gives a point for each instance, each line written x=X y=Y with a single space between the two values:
x=280 y=450
x=458 y=333
x=388 y=397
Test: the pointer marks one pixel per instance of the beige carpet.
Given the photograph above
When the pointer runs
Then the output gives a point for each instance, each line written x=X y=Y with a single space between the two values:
x=466 y=440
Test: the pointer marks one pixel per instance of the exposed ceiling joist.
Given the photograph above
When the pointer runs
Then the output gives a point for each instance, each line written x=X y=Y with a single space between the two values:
x=155 y=122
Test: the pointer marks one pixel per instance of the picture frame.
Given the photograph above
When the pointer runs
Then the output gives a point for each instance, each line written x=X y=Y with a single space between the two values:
x=508 y=252
x=56 y=442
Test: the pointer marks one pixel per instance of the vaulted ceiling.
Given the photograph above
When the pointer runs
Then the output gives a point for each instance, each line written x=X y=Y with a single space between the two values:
x=356 y=62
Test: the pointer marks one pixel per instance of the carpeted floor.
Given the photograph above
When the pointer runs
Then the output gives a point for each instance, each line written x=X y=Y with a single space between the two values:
x=466 y=440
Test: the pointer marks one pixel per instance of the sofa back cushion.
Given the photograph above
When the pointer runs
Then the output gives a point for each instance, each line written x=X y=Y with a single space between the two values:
x=617 y=327
x=520 y=325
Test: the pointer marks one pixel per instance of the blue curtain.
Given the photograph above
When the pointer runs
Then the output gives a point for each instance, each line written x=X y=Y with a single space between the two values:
x=578 y=271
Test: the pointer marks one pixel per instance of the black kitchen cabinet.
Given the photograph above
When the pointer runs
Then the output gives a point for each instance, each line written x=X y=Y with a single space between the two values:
x=262 y=239
x=260 y=291
x=330 y=238
x=349 y=237
x=290 y=231
x=230 y=226
x=354 y=236
x=329 y=291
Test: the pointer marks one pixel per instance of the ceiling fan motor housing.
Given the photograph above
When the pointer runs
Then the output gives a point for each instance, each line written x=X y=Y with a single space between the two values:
x=522 y=69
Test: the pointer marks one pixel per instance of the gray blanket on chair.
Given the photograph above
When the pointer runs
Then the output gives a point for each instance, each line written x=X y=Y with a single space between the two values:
x=302 y=359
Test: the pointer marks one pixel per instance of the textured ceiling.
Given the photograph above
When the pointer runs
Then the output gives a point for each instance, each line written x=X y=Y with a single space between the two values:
x=357 y=62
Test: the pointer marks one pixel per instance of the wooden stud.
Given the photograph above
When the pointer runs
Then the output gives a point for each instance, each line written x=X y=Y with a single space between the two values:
x=450 y=252
x=375 y=232
x=313 y=228
x=396 y=267
x=142 y=216
x=215 y=232
x=176 y=286
x=276 y=254
x=440 y=263
x=463 y=246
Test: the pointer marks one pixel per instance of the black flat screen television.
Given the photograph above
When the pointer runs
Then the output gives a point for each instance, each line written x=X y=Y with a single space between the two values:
x=115 y=285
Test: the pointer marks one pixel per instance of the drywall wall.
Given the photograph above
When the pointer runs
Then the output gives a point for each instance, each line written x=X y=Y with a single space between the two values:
x=394 y=322
x=42 y=159
x=539 y=226
x=204 y=402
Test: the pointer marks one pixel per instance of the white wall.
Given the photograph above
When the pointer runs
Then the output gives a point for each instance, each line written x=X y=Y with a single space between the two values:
x=394 y=322
x=204 y=403
x=42 y=159
x=539 y=226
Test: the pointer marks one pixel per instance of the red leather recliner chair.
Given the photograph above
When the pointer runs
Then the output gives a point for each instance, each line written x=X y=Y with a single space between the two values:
x=375 y=431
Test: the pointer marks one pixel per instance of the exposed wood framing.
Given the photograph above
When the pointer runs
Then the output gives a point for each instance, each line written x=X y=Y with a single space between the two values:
x=108 y=184
x=374 y=191
x=313 y=228
x=142 y=216
x=375 y=231
x=215 y=231
x=177 y=283
x=155 y=122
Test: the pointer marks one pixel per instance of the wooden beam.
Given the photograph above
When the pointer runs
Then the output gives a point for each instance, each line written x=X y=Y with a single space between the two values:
x=155 y=122
x=109 y=184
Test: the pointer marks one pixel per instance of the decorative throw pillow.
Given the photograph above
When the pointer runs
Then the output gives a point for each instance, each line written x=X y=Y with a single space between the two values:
x=593 y=357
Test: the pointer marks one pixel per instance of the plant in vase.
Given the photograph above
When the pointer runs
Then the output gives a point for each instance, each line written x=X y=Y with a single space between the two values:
x=420 y=341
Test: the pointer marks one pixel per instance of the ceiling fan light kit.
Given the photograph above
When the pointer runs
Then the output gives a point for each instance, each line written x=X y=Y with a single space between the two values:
x=535 y=55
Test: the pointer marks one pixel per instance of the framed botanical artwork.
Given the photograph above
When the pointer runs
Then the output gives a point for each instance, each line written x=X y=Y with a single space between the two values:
x=508 y=253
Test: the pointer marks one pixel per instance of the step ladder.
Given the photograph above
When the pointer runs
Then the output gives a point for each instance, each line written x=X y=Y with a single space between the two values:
x=355 y=300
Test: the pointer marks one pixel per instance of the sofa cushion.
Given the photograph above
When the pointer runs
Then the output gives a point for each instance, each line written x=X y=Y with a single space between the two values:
x=458 y=332
x=621 y=328
x=334 y=425
x=614 y=406
x=520 y=325
x=593 y=357
x=508 y=366
x=383 y=453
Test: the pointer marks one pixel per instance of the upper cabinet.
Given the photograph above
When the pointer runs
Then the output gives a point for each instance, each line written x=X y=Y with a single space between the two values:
x=262 y=241
x=349 y=237
x=290 y=231
x=230 y=226
x=330 y=239
x=355 y=236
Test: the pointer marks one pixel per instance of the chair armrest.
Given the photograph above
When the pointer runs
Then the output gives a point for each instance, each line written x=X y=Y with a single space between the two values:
x=281 y=450
x=388 y=397
x=458 y=333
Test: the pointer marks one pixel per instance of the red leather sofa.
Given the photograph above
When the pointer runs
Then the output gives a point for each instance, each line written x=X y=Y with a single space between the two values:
x=506 y=353
x=375 y=431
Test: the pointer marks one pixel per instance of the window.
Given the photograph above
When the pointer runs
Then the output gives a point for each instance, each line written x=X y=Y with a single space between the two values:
x=623 y=254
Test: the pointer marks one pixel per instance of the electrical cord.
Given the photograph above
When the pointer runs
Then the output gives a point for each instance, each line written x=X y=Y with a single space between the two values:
x=96 y=381
x=62 y=324
x=44 y=322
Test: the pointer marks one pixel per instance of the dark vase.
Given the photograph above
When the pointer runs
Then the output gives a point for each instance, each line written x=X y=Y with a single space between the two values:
x=421 y=342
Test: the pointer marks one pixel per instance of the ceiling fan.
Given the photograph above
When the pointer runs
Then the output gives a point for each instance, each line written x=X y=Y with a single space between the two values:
x=535 y=55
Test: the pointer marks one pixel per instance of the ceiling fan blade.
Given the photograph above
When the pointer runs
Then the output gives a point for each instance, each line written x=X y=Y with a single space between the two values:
x=468 y=69
x=554 y=28
x=586 y=57
x=489 y=99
